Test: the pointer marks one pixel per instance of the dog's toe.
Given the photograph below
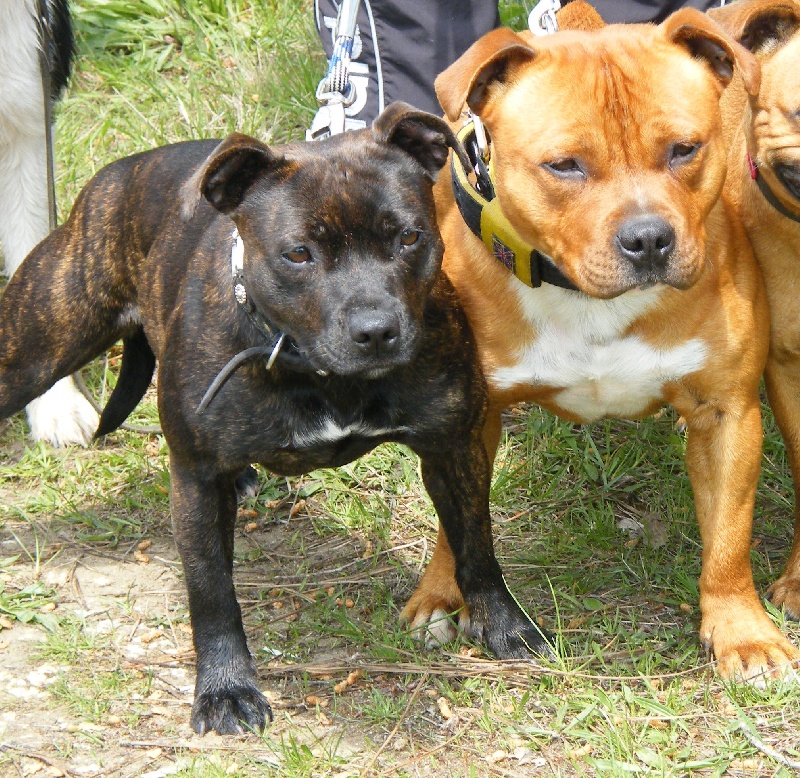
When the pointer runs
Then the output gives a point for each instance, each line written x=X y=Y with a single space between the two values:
x=749 y=648
x=759 y=665
x=432 y=617
x=62 y=416
x=231 y=712
x=522 y=642
x=438 y=628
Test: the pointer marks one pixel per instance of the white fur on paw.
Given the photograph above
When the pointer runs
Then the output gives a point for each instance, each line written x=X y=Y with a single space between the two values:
x=62 y=416
x=439 y=629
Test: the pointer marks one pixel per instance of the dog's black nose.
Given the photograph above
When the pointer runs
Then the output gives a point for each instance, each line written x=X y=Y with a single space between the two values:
x=646 y=242
x=375 y=333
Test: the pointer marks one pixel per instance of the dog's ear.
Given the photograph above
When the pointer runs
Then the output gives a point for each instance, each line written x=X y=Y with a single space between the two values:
x=707 y=41
x=224 y=178
x=579 y=15
x=466 y=81
x=424 y=136
x=762 y=26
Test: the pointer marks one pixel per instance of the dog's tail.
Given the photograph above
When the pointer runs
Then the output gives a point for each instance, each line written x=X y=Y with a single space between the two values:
x=138 y=364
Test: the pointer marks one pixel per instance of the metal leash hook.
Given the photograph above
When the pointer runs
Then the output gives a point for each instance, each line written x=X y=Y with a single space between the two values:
x=336 y=92
x=542 y=19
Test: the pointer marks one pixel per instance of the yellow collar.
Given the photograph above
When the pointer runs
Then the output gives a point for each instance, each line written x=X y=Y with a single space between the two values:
x=483 y=214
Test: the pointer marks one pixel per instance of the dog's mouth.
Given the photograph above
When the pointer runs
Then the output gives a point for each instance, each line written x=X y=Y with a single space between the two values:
x=350 y=359
x=789 y=176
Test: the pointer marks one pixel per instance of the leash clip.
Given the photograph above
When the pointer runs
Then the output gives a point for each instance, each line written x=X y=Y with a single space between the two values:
x=542 y=19
x=336 y=91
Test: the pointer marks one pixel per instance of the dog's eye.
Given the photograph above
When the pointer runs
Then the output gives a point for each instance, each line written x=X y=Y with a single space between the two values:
x=298 y=255
x=681 y=153
x=408 y=237
x=565 y=168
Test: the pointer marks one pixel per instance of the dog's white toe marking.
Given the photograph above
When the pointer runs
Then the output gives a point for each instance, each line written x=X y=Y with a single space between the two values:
x=440 y=629
x=62 y=416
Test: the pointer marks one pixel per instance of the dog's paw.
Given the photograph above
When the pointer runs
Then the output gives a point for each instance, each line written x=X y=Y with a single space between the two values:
x=438 y=626
x=519 y=641
x=750 y=648
x=231 y=711
x=436 y=616
x=785 y=593
x=500 y=623
x=62 y=416
x=759 y=663
x=247 y=483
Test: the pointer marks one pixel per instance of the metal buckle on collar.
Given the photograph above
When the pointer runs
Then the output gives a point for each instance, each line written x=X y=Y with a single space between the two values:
x=481 y=140
x=237 y=271
x=475 y=140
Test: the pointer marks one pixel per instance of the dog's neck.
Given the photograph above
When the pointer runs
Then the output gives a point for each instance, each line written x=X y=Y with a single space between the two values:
x=279 y=347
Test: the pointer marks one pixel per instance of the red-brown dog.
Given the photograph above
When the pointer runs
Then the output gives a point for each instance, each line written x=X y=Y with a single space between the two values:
x=628 y=283
x=764 y=184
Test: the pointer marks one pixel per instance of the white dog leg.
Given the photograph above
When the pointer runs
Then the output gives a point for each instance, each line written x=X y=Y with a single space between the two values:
x=62 y=416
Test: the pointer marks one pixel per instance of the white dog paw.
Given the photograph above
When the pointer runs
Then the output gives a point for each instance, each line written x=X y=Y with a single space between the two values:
x=62 y=416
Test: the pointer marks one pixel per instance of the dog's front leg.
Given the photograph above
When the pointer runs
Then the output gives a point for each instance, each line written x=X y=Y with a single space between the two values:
x=723 y=457
x=227 y=698
x=458 y=483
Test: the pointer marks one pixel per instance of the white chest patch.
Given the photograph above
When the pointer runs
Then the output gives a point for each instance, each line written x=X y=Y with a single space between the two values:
x=581 y=349
x=330 y=432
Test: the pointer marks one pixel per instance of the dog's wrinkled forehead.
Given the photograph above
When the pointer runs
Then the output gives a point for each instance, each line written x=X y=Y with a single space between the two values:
x=606 y=69
x=353 y=188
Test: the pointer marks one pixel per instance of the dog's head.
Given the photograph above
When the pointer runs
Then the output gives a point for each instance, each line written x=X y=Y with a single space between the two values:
x=771 y=30
x=341 y=245
x=606 y=143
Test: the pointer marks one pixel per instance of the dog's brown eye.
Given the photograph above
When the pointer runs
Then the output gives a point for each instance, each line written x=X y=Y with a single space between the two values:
x=298 y=255
x=565 y=168
x=681 y=153
x=409 y=237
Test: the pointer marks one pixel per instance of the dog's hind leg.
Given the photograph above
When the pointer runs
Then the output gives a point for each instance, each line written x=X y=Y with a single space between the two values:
x=63 y=415
x=52 y=322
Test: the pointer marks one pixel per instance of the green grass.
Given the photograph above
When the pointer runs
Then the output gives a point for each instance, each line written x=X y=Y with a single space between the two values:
x=321 y=582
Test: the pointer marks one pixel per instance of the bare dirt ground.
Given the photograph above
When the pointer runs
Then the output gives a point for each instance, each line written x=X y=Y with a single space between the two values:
x=109 y=692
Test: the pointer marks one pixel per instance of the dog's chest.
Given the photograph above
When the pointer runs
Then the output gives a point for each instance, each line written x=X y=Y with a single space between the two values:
x=325 y=430
x=314 y=430
x=584 y=352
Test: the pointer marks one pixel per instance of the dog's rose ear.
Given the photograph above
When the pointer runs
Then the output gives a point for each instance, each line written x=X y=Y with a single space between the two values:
x=224 y=178
x=761 y=26
x=579 y=15
x=706 y=40
x=422 y=135
x=466 y=81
